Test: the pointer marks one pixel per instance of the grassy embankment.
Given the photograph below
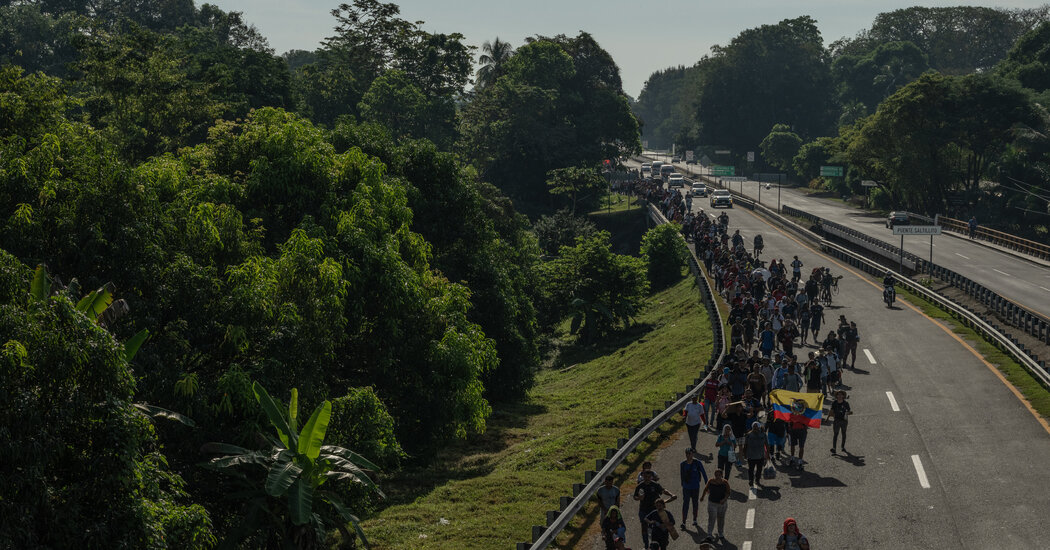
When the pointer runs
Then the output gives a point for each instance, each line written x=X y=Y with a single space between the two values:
x=1033 y=391
x=488 y=492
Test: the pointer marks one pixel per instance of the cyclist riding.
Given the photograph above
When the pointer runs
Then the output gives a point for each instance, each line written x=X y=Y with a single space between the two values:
x=826 y=280
x=759 y=245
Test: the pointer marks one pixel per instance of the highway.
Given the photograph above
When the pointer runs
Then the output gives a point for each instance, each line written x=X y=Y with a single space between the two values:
x=1025 y=282
x=942 y=453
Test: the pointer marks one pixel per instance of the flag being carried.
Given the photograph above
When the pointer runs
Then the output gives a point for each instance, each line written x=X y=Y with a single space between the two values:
x=791 y=406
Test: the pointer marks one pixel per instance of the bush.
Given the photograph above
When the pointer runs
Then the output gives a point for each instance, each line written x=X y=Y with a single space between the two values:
x=880 y=199
x=561 y=229
x=664 y=253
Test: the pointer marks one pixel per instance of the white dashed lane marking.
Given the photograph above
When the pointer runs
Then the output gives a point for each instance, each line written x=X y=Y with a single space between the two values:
x=749 y=523
x=871 y=358
x=923 y=482
x=961 y=256
x=893 y=402
x=1002 y=272
x=1044 y=288
x=746 y=545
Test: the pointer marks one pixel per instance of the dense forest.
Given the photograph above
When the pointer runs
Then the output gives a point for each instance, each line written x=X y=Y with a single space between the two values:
x=944 y=107
x=200 y=237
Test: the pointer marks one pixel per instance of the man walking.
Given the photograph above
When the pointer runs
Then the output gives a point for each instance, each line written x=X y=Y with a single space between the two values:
x=692 y=470
x=840 y=411
x=646 y=493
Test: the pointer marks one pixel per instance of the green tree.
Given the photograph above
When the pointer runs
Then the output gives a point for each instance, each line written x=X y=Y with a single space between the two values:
x=298 y=467
x=493 y=58
x=93 y=475
x=561 y=229
x=573 y=181
x=396 y=103
x=665 y=254
x=600 y=290
x=780 y=146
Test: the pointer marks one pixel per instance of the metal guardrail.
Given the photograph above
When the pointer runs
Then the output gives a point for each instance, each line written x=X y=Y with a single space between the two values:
x=1006 y=240
x=968 y=317
x=570 y=506
x=1032 y=323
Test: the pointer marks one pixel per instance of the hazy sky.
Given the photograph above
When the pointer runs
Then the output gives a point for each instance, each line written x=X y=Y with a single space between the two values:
x=641 y=40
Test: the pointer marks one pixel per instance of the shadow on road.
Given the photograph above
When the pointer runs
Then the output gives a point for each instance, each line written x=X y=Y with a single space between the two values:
x=808 y=480
x=856 y=460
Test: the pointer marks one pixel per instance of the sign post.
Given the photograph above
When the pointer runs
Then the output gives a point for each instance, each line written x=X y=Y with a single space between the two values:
x=831 y=171
x=903 y=230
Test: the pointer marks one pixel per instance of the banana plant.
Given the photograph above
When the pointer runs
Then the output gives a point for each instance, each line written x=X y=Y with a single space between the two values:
x=298 y=465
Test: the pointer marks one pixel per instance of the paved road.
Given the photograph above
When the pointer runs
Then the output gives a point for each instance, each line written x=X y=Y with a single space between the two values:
x=1025 y=282
x=980 y=449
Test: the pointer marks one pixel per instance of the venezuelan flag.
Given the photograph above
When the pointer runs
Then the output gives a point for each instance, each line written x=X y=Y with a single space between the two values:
x=792 y=406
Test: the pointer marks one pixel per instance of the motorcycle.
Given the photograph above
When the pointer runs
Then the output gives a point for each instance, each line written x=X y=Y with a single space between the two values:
x=889 y=294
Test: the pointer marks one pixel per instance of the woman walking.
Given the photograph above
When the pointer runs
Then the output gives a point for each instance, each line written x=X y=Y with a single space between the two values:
x=726 y=443
x=755 y=452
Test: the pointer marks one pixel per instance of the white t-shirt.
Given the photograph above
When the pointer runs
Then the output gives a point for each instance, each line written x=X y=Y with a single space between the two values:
x=693 y=413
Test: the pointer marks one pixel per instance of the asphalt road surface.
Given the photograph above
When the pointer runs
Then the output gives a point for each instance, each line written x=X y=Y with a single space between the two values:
x=1026 y=282
x=942 y=453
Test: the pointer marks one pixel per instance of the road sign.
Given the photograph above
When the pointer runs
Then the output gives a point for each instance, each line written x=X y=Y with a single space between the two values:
x=722 y=152
x=869 y=183
x=723 y=170
x=751 y=156
x=831 y=171
x=689 y=156
x=916 y=230
x=733 y=178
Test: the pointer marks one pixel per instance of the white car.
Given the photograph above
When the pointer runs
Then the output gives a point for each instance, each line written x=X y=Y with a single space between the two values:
x=721 y=197
x=699 y=190
x=675 y=180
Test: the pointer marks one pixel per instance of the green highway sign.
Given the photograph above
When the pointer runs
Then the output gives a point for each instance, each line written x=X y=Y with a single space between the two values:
x=831 y=171
x=723 y=170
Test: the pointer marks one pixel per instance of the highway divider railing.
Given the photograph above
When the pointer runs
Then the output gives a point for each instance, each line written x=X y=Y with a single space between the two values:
x=1032 y=323
x=1000 y=238
x=966 y=316
x=569 y=506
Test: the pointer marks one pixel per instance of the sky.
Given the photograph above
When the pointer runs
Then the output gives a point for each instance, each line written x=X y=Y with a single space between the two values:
x=663 y=33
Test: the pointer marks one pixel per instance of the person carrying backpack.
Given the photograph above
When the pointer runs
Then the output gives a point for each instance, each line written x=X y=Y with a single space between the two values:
x=792 y=538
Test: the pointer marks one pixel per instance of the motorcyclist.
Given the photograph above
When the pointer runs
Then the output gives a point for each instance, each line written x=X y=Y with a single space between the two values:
x=738 y=239
x=888 y=292
x=759 y=243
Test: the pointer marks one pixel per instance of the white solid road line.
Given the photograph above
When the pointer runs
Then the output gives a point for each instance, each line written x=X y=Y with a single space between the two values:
x=871 y=358
x=893 y=402
x=1001 y=272
x=746 y=545
x=961 y=256
x=923 y=482
x=749 y=523
x=1044 y=288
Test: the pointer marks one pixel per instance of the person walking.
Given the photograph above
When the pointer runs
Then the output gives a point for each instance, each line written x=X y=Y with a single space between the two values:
x=776 y=435
x=694 y=418
x=850 y=338
x=796 y=269
x=647 y=493
x=614 y=530
x=710 y=398
x=840 y=411
x=797 y=432
x=608 y=495
x=792 y=538
x=691 y=470
x=972 y=225
x=719 y=489
x=726 y=444
x=755 y=452
x=661 y=524
x=816 y=319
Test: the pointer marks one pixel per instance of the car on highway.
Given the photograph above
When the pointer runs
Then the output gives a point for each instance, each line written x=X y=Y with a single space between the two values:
x=646 y=168
x=699 y=190
x=676 y=160
x=690 y=161
x=897 y=218
x=721 y=197
x=675 y=180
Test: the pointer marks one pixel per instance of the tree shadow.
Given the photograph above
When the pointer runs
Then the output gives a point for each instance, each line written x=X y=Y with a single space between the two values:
x=582 y=352
x=452 y=463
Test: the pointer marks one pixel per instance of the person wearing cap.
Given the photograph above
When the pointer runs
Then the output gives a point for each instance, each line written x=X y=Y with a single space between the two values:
x=840 y=411
x=755 y=452
x=692 y=471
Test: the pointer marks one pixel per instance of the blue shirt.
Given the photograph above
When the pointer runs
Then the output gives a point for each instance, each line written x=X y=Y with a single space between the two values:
x=691 y=474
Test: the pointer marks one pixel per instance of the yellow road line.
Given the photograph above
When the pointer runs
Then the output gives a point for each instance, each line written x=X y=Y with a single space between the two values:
x=1017 y=393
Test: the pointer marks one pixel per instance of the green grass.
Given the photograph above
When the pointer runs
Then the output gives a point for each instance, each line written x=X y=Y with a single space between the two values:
x=492 y=489
x=1033 y=391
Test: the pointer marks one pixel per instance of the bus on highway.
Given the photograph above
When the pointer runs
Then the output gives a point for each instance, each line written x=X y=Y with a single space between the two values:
x=665 y=171
x=654 y=170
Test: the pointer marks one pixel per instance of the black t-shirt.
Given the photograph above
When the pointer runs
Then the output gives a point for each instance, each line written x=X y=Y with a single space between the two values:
x=717 y=491
x=738 y=420
x=840 y=411
x=648 y=492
